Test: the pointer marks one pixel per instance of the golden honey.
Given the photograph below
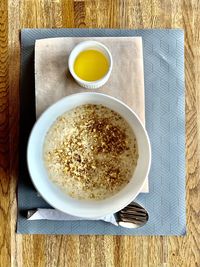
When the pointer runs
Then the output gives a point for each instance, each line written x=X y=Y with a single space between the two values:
x=91 y=65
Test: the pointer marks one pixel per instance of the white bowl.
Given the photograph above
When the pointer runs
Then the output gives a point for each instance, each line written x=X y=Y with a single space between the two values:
x=55 y=196
x=85 y=46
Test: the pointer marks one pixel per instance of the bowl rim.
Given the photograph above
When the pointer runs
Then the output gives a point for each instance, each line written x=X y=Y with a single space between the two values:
x=28 y=153
x=71 y=62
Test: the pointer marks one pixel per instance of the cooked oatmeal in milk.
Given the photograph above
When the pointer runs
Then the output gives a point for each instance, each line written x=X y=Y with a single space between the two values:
x=90 y=152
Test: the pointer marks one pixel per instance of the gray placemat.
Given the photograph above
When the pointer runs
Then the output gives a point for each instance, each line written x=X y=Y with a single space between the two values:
x=165 y=122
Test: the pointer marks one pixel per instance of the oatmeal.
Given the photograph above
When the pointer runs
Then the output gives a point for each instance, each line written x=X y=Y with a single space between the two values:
x=90 y=152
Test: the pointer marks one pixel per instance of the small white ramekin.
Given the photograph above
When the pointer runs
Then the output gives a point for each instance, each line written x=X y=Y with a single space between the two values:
x=86 y=45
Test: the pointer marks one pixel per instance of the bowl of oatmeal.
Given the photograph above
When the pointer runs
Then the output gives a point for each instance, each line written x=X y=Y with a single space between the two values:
x=88 y=155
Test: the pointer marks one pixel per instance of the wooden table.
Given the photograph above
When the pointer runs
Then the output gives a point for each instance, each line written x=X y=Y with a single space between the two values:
x=38 y=250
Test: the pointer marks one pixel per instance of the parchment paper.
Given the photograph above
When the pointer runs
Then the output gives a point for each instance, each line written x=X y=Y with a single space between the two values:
x=53 y=80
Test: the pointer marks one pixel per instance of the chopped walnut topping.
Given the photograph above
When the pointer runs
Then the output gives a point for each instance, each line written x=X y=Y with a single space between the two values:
x=98 y=151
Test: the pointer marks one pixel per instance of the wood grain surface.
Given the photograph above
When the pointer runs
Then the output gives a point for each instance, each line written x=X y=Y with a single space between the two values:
x=38 y=250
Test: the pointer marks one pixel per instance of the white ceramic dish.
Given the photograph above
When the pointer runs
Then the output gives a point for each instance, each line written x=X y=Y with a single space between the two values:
x=85 y=46
x=60 y=200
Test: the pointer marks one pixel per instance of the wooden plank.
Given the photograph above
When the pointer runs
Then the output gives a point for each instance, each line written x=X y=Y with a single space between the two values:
x=5 y=203
x=95 y=251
